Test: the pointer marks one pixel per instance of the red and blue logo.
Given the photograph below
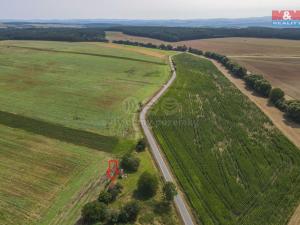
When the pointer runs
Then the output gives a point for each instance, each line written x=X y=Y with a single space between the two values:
x=286 y=17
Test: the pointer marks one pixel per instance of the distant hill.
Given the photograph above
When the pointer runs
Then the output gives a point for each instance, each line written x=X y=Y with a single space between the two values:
x=243 y=22
x=240 y=22
x=174 y=34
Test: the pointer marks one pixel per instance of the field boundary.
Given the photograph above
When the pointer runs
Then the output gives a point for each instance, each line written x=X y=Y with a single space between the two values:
x=83 y=53
x=59 y=132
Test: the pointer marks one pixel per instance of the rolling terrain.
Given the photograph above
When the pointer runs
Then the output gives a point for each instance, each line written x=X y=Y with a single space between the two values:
x=40 y=176
x=278 y=60
x=49 y=81
x=233 y=164
x=66 y=109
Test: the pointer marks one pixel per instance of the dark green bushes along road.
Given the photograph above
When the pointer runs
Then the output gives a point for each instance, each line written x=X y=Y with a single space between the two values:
x=233 y=164
x=261 y=86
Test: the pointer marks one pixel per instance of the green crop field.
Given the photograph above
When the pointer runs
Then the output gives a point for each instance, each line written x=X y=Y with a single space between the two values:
x=233 y=164
x=50 y=81
x=66 y=108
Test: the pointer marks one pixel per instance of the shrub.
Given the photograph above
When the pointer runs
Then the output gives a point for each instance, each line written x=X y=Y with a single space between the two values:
x=130 y=163
x=180 y=48
x=259 y=84
x=147 y=185
x=281 y=104
x=263 y=87
x=113 y=217
x=170 y=191
x=195 y=51
x=129 y=212
x=293 y=110
x=115 y=191
x=94 y=212
x=105 y=197
x=141 y=145
x=241 y=72
x=252 y=79
x=276 y=94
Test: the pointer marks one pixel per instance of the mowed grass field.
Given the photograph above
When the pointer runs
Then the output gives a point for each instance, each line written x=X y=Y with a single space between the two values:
x=278 y=60
x=233 y=164
x=97 y=93
x=66 y=108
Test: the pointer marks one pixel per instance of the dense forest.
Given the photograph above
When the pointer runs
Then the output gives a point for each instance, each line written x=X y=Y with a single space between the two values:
x=184 y=33
x=53 y=34
x=163 y=33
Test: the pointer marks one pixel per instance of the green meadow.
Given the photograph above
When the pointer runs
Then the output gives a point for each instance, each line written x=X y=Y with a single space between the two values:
x=87 y=92
x=233 y=164
x=66 y=108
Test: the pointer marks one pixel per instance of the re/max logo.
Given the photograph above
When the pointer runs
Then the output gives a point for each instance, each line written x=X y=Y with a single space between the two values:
x=286 y=17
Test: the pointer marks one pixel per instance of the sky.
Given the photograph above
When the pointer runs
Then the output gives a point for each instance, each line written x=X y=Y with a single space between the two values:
x=140 y=9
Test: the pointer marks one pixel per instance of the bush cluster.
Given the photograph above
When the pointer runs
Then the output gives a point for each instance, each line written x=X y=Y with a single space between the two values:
x=147 y=185
x=111 y=194
x=293 y=110
x=169 y=191
x=180 y=48
x=94 y=212
x=141 y=145
x=234 y=68
x=130 y=163
x=259 y=84
x=98 y=211
x=276 y=95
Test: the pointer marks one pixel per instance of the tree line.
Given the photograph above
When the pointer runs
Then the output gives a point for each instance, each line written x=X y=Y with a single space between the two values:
x=54 y=34
x=174 y=34
x=254 y=81
x=180 y=48
x=259 y=84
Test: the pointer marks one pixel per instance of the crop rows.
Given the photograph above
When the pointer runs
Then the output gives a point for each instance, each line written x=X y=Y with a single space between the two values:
x=233 y=164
